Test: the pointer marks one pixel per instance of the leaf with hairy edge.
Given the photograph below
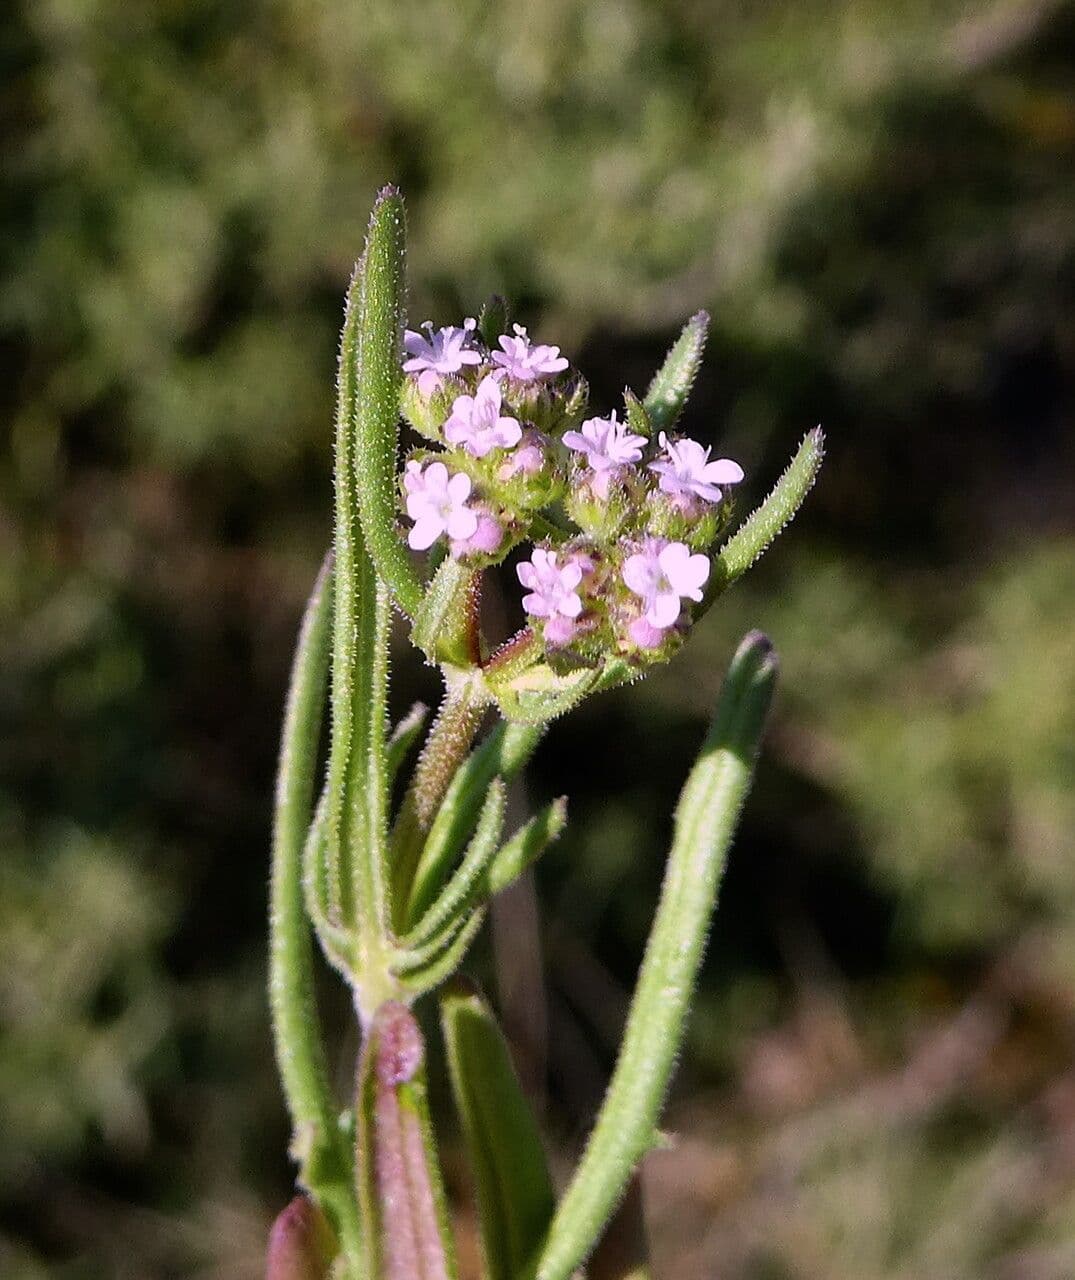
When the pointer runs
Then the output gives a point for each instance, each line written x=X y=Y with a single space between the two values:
x=762 y=527
x=515 y=1194
x=524 y=847
x=399 y=1183
x=403 y=738
x=706 y=818
x=325 y=1162
x=381 y=304
x=432 y=910
x=635 y=415
x=503 y=754
x=673 y=381
x=420 y=979
x=540 y=694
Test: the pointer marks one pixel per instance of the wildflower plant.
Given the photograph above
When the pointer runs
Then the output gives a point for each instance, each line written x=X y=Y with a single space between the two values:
x=614 y=533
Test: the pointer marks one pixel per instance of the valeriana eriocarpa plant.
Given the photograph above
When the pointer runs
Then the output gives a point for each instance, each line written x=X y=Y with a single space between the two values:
x=615 y=525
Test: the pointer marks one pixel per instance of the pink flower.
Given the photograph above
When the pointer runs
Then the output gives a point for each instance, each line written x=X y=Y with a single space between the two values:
x=687 y=473
x=434 y=354
x=437 y=503
x=524 y=362
x=476 y=422
x=553 y=592
x=485 y=539
x=663 y=574
x=607 y=445
x=527 y=460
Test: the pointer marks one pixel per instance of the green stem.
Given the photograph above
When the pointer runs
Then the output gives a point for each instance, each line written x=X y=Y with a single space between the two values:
x=705 y=823
x=318 y=1143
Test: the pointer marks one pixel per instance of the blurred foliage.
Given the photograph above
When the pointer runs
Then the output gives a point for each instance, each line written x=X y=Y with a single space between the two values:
x=878 y=206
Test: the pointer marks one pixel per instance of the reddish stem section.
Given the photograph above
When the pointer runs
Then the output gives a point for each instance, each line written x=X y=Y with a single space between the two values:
x=301 y=1246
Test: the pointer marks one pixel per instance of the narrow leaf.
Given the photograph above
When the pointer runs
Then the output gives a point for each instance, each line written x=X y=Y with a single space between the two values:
x=503 y=754
x=432 y=909
x=337 y=942
x=357 y=815
x=762 y=527
x=706 y=817
x=420 y=979
x=324 y=1159
x=515 y=1194
x=403 y=738
x=381 y=303
x=672 y=383
x=399 y=1184
x=525 y=847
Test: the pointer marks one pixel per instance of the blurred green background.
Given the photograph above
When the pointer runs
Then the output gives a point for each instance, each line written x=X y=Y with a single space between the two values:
x=877 y=204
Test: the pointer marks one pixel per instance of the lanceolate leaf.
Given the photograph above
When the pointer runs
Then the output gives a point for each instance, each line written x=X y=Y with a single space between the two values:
x=317 y=1143
x=758 y=532
x=525 y=847
x=419 y=979
x=540 y=694
x=381 y=303
x=403 y=738
x=503 y=753
x=515 y=1195
x=672 y=383
x=706 y=816
x=462 y=888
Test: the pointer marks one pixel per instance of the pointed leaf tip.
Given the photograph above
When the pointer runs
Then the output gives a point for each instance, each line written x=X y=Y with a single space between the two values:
x=761 y=528
x=672 y=383
x=372 y=417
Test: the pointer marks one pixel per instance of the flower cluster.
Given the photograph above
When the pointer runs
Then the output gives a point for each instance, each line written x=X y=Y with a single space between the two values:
x=621 y=523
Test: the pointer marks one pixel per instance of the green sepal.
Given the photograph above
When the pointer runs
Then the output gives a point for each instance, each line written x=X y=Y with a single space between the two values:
x=511 y=1174
x=636 y=416
x=574 y=409
x=672 y=383
x=446 y=624
x=705 y=822
x=428 y=414
x=762 y=527
x=494 y=320
x=540 y=694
